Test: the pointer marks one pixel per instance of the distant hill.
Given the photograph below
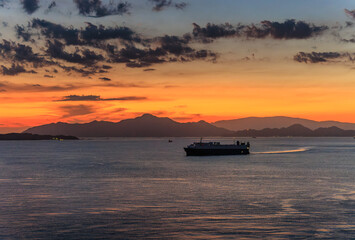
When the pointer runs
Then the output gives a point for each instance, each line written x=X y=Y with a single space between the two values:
x=297 y=130
x=29 y=136
x=144 y=126
x=259 y=123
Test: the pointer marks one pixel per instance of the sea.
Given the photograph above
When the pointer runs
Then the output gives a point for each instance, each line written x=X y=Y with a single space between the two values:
x=146 y=188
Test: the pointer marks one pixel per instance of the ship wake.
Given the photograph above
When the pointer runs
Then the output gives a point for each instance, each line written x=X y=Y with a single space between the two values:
x=284 y=151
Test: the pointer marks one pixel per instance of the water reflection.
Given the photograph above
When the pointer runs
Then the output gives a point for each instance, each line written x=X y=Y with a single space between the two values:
x=109 y=190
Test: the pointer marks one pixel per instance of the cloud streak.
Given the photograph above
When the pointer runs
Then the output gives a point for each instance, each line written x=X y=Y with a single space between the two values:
x=323 y=57
x=96 y=98
x=38 y=87
x=77 y=110
x=160 y=5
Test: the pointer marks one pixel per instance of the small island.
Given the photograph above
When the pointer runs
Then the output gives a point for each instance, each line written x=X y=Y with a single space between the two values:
x=29 y=136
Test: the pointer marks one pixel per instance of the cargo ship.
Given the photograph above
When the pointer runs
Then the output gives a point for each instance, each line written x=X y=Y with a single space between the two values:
x=216 y=148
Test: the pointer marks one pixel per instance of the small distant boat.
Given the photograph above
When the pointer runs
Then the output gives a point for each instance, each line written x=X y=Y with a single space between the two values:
x=216 y=148
x=170 y=141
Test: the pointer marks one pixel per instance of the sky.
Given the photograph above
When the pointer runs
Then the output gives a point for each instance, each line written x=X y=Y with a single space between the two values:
x=77 y=61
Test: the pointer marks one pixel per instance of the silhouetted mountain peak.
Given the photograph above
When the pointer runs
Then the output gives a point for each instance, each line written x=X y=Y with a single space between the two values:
x=147 y=116
x=203 y=122
x=334 y=128
x=149 y=119
x=297 y=127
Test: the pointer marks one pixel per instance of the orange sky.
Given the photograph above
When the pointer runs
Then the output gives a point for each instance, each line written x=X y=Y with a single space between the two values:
x=185 y=92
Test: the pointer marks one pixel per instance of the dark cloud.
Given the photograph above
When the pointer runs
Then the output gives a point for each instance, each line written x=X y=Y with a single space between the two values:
x=350 y=40
x=24 y=54
x=160 y=5
x=95 y=8
x=102 y=71
x=15 y=69
x=350 y=13
x=73 y=98
x=348 y=24
x=48 y=76
x=168 y=49
x=77 y=110
x=290 y=29
x=106 y=67
x=86 y=57
x=21 y=32
x=88 y=36
x=175 y=45
x=84 y=71
x=181 y=5
x=91 y=47
x=136 y=57
x=149 y=69
x=3 y=3
x=106 y=79
x=56 y=31
x=99 y=33
x=213 y=31
x=319 y=57
x=30 y=6
x=16 y=52
x=52 y=5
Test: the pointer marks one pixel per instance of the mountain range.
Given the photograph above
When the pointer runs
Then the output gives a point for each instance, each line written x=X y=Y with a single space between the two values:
x=259 y=123
x=145 y=126
x=148 y=125
x=296 y=130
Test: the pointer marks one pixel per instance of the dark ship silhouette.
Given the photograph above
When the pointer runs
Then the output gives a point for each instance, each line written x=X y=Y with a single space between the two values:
x=216 y=148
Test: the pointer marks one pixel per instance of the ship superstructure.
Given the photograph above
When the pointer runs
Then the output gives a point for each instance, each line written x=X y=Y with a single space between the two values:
x=216 y=148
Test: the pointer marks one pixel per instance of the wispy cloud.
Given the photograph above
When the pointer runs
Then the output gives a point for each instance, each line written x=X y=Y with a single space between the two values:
x=160 y=5
x=77 y=110
x=13 y=87
x=322 y=57
x=73 y=98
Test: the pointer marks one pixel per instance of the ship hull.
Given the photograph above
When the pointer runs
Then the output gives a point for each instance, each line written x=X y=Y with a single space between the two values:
x=215 y=152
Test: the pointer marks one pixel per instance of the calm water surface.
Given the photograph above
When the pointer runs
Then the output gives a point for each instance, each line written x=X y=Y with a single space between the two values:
x=289 y=188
